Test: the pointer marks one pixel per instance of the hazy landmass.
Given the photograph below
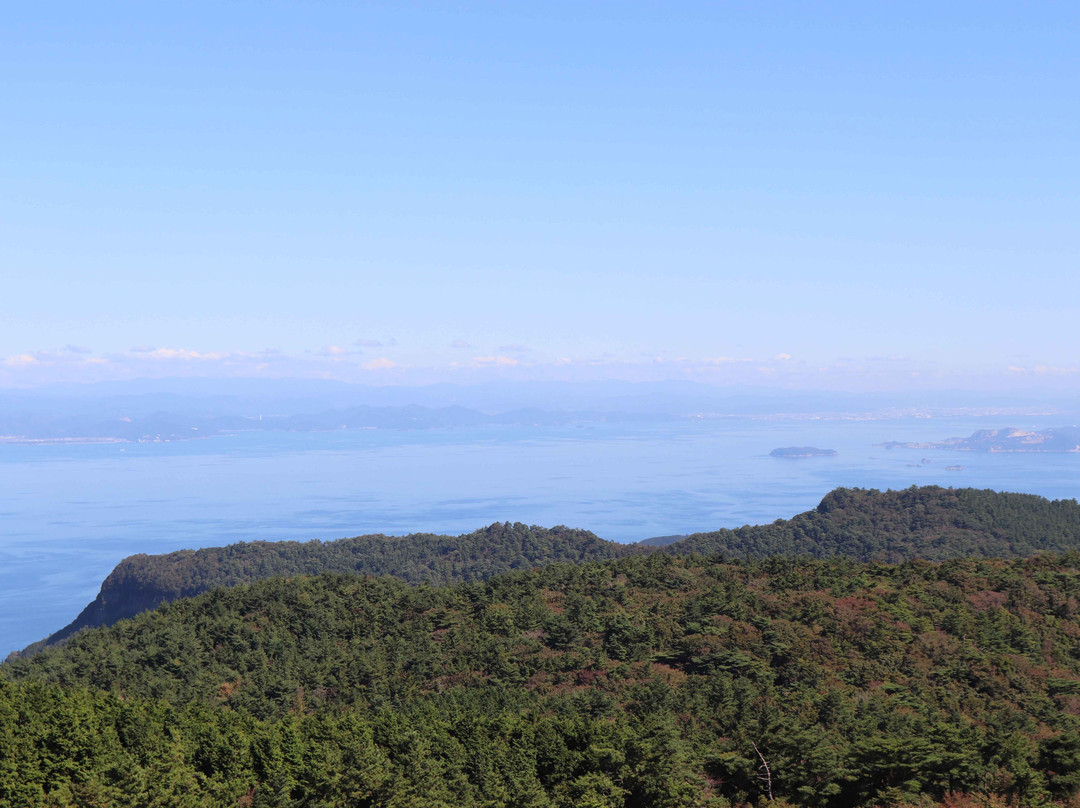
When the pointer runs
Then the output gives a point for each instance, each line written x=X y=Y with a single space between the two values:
x=163 y=426
x=1061 y=439
x=190 y=409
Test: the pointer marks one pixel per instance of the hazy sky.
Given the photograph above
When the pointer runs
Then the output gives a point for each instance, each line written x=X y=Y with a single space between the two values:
x=822 y=195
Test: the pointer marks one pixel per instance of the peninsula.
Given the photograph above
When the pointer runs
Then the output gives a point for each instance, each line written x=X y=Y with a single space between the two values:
x=1060 y=439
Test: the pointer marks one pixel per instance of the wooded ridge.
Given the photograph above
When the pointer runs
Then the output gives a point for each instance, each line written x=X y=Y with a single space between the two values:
x=865 y=524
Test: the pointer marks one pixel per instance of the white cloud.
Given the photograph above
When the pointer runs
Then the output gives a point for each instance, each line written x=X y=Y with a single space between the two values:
x=335 y=353
x=382 y=363
x=782 y=357
x=505 y=361
x=20 y=360
x=722 y=360
x=182 y=354
x=1052 y=370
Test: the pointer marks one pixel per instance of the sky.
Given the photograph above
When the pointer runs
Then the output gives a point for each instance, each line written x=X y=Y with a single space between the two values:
x=820 y=196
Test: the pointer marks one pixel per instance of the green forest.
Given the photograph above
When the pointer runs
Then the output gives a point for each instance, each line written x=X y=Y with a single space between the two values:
x=653 y=679
x=927 y=522
x=142 y=582
x=865 y=524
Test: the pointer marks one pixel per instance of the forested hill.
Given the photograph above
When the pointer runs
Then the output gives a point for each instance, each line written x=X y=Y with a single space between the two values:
x=866 y=524
x=929 y=522
x=646 y=682
x=142 y=582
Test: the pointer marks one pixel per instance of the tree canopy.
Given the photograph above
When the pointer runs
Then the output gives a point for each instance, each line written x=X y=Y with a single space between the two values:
x=642 y=681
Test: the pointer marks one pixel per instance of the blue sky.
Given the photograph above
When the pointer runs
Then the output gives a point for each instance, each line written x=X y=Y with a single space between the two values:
x=803 y=195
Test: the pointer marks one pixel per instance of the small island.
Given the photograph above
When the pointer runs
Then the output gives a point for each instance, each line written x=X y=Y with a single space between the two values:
x=802 y=451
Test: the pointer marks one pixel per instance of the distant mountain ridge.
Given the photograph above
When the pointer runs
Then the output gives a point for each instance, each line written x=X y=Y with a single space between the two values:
x=29 y=427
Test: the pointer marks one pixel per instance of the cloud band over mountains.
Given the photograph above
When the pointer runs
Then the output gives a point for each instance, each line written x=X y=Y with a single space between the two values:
x=389 y=363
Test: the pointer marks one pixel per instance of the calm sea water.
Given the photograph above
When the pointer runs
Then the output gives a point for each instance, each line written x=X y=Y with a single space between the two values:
x=70 y=513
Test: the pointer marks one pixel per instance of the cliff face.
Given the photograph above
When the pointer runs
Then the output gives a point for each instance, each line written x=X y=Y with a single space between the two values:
x=127 y=591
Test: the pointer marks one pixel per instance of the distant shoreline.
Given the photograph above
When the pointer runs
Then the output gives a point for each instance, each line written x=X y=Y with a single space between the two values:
x=12 y=440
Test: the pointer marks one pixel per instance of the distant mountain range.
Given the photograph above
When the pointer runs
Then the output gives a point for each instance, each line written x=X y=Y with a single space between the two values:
x=181 y=409
x=167 y=426
x=1061 y=439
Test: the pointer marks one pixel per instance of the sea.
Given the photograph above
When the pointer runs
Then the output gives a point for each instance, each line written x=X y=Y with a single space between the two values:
x=71 y=512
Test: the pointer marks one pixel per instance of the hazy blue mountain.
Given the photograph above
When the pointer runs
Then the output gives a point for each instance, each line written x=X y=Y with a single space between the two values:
x=114 y=422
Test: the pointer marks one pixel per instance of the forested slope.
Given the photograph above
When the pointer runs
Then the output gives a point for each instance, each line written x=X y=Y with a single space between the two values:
x=929 y=522
x=141 y=582
x=647 y=681
x=865 y=524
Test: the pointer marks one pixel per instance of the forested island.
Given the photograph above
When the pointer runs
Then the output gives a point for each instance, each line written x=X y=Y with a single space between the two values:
x=763 y=665
x=792 y=452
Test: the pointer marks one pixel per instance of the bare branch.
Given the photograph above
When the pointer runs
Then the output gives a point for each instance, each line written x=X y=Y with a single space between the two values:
x=767 y=777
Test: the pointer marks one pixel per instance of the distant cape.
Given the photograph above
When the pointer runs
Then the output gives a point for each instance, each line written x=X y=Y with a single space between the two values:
x=1011 y=439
